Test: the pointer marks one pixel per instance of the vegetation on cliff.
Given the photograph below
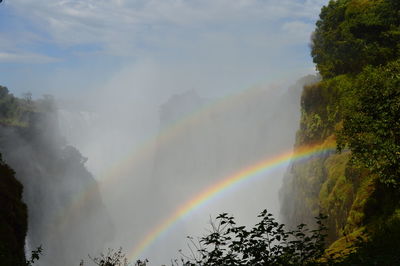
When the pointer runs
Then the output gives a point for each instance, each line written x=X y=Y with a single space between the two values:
x=51 y=173
x=356 y=48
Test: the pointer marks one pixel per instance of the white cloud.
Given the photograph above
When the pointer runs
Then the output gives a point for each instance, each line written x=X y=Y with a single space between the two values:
x=26 y=58
x=121 y=26
x=217 y=45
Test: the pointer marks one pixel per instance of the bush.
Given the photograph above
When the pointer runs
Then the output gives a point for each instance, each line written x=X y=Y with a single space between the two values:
x=267 y=243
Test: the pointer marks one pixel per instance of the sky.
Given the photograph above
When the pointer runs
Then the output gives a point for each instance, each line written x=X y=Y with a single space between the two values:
x=74 y=47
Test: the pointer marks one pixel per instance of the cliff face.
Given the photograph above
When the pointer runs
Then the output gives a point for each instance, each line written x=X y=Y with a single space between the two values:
x=327 y=184
x=354 y=107
x=13 y=218
x=355 y=200
x=66 y=214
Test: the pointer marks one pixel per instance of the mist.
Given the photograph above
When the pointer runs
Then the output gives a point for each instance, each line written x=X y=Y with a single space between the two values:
x=153 y=145
x=53 y=175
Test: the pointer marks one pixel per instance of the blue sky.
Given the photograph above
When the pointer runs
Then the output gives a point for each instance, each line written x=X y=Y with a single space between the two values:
x=70 y=47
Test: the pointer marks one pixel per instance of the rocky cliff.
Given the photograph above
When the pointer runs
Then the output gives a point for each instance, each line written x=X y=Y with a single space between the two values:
x=355 y=108
x=66 y=215
x=13 y=218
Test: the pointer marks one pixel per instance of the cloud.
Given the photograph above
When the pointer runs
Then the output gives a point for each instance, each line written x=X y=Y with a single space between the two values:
x=26 y=58
x=123 y=27
x=215 y=45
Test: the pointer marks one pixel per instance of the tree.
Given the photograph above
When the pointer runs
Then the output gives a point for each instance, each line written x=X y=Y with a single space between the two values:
x=371 y=121
x=267 y=243
x=352 y=34
x=27 y=96
x=114 y=258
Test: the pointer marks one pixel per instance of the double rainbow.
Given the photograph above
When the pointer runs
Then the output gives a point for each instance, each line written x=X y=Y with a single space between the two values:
x=250 y=173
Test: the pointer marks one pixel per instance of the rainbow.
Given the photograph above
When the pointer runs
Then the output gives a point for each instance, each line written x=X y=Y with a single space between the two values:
x=257 y=170
x=173 y=131
x=149 y=146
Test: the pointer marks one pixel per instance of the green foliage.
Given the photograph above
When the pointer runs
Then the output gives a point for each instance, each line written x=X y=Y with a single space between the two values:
x=351 y=34
x=16 y=111
x=371 y=121
x=321 y=109
x=312 y=127
x=13 y=110
x=364 y=110
x=382 y=247
x=356 y=48
x=267 y=243
x=336 y=194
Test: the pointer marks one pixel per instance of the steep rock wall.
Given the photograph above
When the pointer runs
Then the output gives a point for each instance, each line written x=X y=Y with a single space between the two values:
x=66 y=214
x=353 y=198
x=13 y=218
